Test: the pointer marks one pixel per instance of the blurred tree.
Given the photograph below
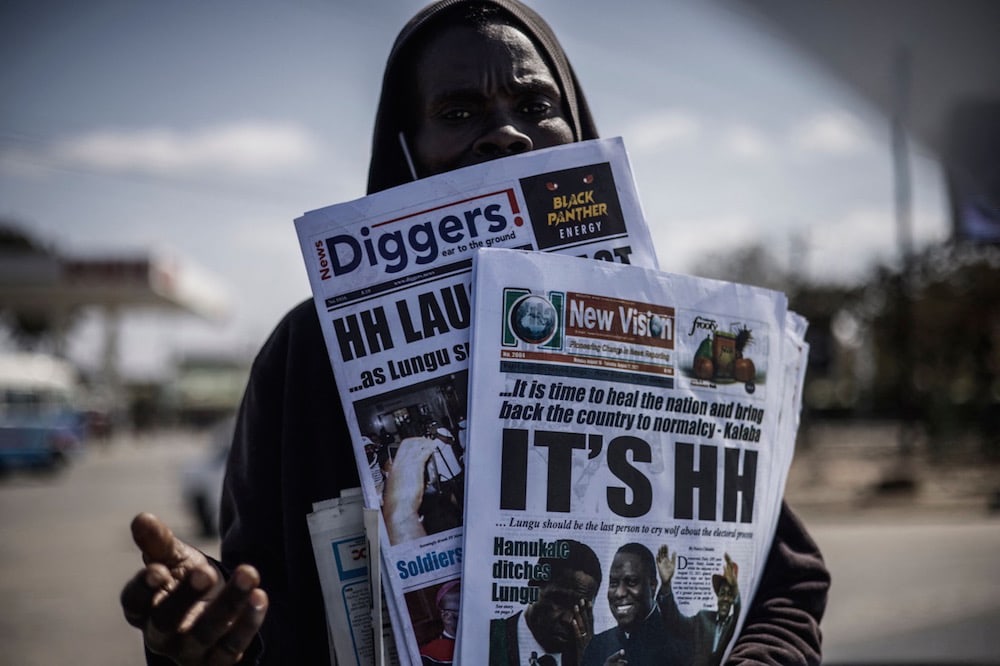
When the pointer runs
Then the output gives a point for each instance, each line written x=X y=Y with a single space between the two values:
x=750 y=264
x=856 y=367
x=14 y=239
x=955 y=336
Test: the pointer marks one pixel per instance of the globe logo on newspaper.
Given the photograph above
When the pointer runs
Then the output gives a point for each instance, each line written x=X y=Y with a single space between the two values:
x=656 y=326
x=533 y=319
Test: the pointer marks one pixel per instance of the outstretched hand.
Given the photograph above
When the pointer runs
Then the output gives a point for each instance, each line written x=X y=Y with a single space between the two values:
x=183 y=607
x=666 y=565
x=404 y=489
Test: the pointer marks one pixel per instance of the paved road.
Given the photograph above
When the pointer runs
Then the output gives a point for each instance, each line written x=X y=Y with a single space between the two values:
x=65 y=551
x=907 y=588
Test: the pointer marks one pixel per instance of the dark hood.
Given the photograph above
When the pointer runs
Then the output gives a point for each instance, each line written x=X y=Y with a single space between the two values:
x=388 y=166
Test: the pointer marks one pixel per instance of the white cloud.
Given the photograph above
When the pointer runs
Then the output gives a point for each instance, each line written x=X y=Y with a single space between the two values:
x=237 y=148
x=861 y=227
x=845 y=248
x=654 y=132
x=831 y=133
x=841 y=248
x=681 y=243
x=745 y=142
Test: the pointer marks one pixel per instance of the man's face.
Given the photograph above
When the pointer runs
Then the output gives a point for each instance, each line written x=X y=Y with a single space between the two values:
x=483 y=94
x=551 y=617
x=448 y=610
x=630 y=590
x=726 y=595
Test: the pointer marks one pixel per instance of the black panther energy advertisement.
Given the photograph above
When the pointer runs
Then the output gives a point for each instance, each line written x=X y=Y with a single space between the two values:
x=574 y=205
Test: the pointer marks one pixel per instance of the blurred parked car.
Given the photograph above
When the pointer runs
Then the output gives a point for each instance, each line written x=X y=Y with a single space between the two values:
x=201 y=479
x=40 y=426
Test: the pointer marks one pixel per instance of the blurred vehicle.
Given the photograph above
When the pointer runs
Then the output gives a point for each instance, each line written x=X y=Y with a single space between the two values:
x=40 y=426
x=201 y=478
x=208 y=387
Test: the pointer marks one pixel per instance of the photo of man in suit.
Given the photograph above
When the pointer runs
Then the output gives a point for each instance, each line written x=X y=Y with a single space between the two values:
x=553 y=630
x=708 y=632
x=640 y=637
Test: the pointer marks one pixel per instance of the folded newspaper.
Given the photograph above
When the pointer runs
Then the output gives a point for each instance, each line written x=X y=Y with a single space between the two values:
x=631 y=434
x=343 y=553
x=390 y=275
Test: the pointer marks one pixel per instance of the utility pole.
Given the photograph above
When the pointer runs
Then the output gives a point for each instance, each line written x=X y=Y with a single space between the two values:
x=904 y=238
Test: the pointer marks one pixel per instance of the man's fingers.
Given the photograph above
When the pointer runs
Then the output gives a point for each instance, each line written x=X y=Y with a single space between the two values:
x=415 y=450
x=424 y=449
x=230 y=647
x=192 y=622
x=616 y=659
x=138 y=594
x=579 y=621
x=224 y=610
x=167 y=616
x=731 y=569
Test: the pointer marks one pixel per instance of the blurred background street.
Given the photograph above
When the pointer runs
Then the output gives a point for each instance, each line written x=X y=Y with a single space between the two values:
x=67 y=550
x=914 y=577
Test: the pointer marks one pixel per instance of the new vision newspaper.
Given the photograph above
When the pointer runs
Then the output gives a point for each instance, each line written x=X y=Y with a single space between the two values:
x=633 y=430
x=390 y=275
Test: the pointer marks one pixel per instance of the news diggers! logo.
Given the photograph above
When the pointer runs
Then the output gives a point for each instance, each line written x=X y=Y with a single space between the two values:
x=533 y=319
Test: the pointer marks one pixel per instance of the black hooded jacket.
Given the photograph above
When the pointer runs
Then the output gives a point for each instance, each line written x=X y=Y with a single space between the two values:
x=291 y=444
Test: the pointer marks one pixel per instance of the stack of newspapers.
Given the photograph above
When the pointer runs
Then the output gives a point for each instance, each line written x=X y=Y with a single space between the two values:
x=531 y=401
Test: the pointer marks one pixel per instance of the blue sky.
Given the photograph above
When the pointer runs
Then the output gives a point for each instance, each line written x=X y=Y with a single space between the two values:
x=203 y=128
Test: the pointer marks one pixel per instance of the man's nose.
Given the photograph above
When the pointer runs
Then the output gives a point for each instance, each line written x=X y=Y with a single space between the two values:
x=502 y=139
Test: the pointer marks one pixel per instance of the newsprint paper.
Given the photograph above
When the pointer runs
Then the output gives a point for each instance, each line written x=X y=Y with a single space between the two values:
x=390 y=275
x=342 y=553
x=631 y=433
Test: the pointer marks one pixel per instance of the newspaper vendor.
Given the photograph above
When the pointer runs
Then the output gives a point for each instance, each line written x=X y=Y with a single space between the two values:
x=465 y=82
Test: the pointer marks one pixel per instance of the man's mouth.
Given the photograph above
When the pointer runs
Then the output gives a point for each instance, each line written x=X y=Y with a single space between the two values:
x=623 y=609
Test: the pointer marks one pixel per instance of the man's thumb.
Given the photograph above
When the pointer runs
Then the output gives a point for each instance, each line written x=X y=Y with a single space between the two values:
x=154 y=539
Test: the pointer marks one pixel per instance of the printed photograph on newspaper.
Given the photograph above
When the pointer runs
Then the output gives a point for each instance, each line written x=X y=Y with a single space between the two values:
x=626 y=427
x=390 y=275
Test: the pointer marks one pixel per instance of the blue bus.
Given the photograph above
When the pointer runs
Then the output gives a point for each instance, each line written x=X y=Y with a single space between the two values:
x=40 y=425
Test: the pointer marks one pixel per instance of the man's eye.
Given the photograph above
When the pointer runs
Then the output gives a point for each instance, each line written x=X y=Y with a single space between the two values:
x=456 y=114
x=536 y=108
